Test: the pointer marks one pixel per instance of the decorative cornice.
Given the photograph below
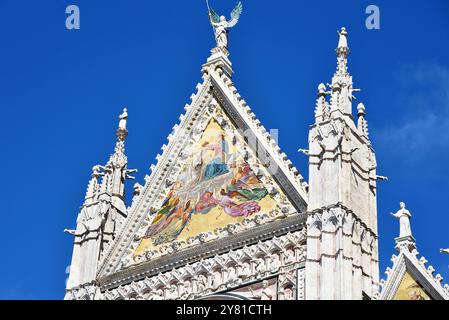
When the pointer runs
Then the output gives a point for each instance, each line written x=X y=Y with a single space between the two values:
x=272 y=252
x=317 y=214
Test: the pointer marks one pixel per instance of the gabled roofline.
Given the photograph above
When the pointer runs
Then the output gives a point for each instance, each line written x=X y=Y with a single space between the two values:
x=287 y=176
x=216 y=84
x=408 y=262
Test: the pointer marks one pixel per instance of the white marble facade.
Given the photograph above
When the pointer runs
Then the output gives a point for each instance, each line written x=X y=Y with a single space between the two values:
x=320 y=244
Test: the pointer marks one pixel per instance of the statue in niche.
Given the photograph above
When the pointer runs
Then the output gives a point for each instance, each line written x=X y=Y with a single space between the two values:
x=265 y=294
x=157 y=295
x=288 y=293
x=245 y=271
x=216 y=280
x=274 y=262
x=172 y=292
x=202 y=283
x=301 y=252
x=260 y=265
x=232 y=273
x=289 y=257
x=186 y=289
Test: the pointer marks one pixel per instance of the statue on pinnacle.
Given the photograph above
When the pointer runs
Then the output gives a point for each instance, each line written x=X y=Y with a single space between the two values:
x=404 y=221
x=221 y=26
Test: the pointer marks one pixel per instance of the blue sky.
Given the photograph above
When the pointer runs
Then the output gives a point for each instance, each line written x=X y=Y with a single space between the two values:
x=61 y=92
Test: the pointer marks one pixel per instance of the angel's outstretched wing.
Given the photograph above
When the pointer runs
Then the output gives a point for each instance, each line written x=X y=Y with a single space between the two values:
x=213 y=16
x=235 y=15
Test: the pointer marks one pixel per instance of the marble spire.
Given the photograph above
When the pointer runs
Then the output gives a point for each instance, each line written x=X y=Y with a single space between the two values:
x=339 y=150
x=102 y=212
x=342 y=51
x=342 y=86
x=93 y=186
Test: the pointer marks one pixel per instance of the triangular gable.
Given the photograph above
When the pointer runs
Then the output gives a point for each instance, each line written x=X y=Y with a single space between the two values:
x=409 y=279
x=220 y=174
x=410 y=289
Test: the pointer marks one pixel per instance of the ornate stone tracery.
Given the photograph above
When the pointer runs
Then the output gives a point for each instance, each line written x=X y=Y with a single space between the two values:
x=221 y=273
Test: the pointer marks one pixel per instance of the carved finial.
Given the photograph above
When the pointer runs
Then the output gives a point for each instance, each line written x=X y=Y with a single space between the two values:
x=137 y=189
x=322 y=89
x=430 y=270
x=96 y=171
x=93 y=186
x=123 y=118
x=342 y=85
x=362 y=123
x=342 y=48
x=423 y=261
x=394 y=258
x=122 y=132
x=361 y=110
x=322 y=107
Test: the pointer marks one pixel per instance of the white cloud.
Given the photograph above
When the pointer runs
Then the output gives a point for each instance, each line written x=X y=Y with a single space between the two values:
x=424 y=129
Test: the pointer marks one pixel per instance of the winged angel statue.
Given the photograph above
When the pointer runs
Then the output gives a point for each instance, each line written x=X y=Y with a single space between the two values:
x=221 y=26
